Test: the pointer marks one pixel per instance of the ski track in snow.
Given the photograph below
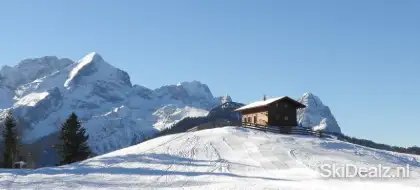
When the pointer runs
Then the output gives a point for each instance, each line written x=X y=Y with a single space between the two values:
x=222 y=158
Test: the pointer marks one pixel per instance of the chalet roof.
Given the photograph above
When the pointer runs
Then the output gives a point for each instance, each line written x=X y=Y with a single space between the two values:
x=263 y=103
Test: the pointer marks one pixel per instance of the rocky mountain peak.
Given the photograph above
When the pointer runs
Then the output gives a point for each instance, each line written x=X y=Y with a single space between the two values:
x=115 y=113
x=226 y=98
x=93 y=67
x=311 y=100
x=316 y=115
x=196 y=89
x=30 y=69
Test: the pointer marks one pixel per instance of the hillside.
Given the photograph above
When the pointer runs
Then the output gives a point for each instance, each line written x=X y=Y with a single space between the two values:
x=228 y=157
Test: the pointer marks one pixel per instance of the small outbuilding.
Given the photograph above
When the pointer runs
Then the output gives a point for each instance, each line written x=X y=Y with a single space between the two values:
x=280 y=111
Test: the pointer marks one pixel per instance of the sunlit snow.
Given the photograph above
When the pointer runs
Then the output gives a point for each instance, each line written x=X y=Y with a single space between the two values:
x=31 y=99
x=222 y=158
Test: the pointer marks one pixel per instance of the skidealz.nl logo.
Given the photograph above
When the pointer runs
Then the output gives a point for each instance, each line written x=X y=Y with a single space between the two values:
x=354 y=171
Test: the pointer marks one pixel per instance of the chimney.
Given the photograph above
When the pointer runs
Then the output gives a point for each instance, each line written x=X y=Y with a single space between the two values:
x=264 y=97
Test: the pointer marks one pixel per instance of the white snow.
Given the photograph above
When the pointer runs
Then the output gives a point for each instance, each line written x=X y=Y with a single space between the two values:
x=322 y=125
x=115 y=113
x=31 y=69
x=197 y=89
x=221 y=158
x=31 y=99
x=170 y=115
x=260 y=103
x=225 y=99
x=316 y=115
x=86 y=60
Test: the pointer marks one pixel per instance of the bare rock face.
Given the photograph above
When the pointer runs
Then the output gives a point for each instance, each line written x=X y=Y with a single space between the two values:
x=316 y=115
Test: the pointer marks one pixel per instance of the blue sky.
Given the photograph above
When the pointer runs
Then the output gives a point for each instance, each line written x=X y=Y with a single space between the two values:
x=361 y=57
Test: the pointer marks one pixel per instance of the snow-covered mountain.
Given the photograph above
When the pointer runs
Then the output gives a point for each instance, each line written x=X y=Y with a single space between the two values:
x=30 y=69
x=223 y=158
x=316 y=115
x=43 y=92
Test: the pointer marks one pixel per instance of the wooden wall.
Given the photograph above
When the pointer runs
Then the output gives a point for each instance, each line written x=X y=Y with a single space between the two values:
x=262 y=118
x=279 y=111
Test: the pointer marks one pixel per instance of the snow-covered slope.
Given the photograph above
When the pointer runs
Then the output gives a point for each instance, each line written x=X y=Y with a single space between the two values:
x=221 y=158
x=316 y=115
x=43 y=92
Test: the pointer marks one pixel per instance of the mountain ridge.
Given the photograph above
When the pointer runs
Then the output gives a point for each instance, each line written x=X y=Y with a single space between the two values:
x=115 y=113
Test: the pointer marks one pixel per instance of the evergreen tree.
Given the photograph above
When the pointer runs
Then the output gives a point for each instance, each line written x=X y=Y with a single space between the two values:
x=74 y=141
x=10 y=141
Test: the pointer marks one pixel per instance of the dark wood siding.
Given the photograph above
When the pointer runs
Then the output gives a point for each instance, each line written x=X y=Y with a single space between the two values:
x=282 y=113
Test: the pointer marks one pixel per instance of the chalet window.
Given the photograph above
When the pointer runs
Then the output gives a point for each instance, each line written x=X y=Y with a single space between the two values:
x=249 y=120
x=244 y=119
x=255 y=119
x=286 y=118
x=277 y=117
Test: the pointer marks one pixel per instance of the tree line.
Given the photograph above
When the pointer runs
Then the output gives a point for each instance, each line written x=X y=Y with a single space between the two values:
x=72 y=147
x=368 y=143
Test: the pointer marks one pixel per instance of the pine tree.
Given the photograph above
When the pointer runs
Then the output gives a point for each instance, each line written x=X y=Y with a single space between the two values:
x=10 y=141
x=74 y=141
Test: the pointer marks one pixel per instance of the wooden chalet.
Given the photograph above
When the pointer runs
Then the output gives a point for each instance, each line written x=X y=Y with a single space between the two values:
x=280 y=111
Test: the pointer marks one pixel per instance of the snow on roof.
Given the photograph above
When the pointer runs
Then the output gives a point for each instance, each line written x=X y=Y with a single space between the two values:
x=265 y=103
x=260 y=103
